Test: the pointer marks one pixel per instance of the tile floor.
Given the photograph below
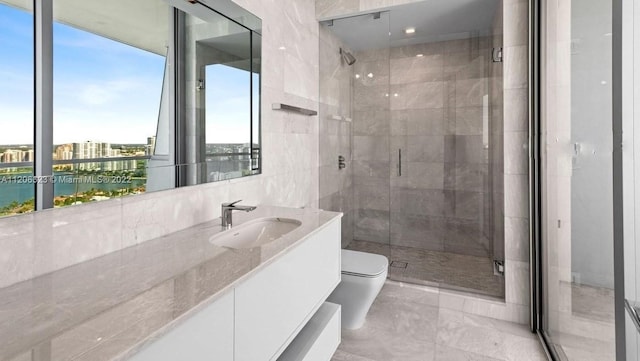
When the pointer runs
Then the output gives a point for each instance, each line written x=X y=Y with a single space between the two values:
x=406 y=323
x=438 y=269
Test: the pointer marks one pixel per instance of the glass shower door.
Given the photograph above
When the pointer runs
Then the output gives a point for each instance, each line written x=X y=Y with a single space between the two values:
x=371 y=162
x=446 y=156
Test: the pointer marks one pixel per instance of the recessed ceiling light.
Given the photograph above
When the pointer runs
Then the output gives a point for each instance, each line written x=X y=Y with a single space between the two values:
x=357 y=76
x=395 y=94
x=420 y=55
x=386 y=95
x=282 y=48
x=409 y=30
x=370 y=75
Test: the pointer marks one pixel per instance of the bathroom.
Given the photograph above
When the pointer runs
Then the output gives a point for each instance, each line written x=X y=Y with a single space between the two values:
x=457 y=143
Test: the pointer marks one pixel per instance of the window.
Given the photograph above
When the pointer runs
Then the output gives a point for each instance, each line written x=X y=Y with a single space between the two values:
x=16 y=108
x=109 y=67
x=124 y=112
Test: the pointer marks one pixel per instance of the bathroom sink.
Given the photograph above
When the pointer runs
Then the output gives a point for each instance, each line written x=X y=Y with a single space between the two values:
x=255 y=233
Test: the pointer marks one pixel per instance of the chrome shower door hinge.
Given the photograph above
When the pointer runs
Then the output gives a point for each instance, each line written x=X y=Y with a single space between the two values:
x=496 y=55
x=498 y=267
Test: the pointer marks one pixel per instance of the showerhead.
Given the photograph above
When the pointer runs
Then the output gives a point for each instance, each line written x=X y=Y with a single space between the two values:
x=347 y=57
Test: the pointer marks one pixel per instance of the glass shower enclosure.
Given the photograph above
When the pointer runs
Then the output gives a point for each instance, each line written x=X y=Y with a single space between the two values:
x=418 y=122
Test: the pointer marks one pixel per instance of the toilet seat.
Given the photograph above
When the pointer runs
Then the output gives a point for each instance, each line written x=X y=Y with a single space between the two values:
x=363 y=264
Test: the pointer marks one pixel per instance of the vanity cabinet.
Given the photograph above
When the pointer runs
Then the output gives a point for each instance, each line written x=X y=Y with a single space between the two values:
x=262 y=315
x=273 y=305
x=208 y=335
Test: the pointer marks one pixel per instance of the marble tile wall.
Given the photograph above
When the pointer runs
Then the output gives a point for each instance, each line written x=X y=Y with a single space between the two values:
x=38 y=243
x=372 y=161
x=335 y=132
x=516 y=151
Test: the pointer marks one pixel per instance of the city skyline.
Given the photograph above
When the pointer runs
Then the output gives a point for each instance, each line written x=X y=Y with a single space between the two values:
x=97 y=141
x=9 y=153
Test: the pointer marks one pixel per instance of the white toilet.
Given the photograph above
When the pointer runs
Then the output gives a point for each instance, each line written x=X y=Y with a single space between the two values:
x=363 y=275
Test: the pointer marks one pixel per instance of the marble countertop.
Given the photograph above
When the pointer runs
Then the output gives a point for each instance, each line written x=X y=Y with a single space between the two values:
x=105 y=308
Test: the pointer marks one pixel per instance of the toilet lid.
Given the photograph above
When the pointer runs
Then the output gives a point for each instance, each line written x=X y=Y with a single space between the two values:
x=364 y=264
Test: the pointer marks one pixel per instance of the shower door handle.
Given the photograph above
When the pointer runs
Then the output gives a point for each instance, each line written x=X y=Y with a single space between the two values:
x=399 y=162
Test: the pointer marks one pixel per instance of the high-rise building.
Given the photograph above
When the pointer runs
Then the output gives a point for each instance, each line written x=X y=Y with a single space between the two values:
x=27 y=155
x=64 y=152
x=90 y=150
x=14 y=156
x=151 y=145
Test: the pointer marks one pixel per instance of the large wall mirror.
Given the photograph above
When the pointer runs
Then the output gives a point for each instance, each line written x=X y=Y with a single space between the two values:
x=142 y=96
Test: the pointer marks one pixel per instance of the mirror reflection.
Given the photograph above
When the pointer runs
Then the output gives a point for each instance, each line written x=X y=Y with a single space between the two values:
x=222 y=60
x=164 y=95
x=227 y=68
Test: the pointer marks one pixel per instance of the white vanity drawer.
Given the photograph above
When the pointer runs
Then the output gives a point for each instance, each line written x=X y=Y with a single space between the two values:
x=319 y=338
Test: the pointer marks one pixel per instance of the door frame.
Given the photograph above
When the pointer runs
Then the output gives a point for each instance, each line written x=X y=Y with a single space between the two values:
x=536 y=30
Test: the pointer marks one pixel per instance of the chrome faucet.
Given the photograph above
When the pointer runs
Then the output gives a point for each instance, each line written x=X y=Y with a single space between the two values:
x=227 y=211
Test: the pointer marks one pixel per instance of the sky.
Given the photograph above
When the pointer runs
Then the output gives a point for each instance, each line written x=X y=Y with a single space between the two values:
x=227 y=114
x=104 y=91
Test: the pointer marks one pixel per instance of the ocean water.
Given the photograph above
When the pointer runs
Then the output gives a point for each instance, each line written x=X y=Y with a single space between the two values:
x=22 y=192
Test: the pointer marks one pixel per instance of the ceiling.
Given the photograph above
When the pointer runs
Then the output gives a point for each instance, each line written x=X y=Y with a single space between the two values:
x=143 y=24
x=228 y=8
x=433 y=20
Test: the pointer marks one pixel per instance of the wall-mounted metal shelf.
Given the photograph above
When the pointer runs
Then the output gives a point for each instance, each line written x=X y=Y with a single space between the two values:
x=280 y=106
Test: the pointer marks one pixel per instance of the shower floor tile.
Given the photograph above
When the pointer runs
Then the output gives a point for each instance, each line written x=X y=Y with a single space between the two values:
x=440 y=269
